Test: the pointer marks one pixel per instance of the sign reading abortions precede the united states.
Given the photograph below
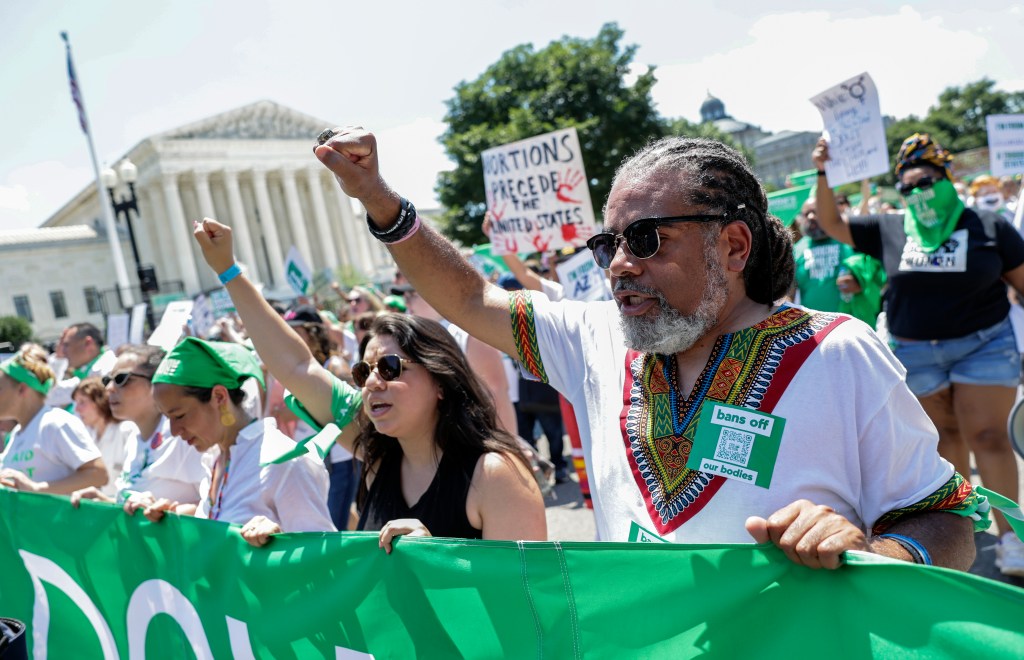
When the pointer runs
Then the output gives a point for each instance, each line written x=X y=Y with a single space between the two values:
x=854 y=130
x=537 y=194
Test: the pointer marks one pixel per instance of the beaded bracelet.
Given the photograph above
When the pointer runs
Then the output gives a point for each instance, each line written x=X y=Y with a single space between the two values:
x=230 y=273
x=916 y=550
x=405 y=226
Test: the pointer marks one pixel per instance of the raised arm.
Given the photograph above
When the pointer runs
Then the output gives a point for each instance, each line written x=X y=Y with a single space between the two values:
x=431 y=263
x=282 y=350
x=829 y=217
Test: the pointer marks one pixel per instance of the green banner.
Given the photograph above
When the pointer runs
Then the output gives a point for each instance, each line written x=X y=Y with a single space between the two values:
x=95 y=583
x=786 y=204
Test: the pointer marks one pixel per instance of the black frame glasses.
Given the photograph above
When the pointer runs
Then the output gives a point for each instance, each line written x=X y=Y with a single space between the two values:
x=641 y=236
x=121 y=379
x=924 y=183
x=388 y=367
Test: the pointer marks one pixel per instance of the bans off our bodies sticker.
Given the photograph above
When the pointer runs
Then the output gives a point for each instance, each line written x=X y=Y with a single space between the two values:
x=736 y=443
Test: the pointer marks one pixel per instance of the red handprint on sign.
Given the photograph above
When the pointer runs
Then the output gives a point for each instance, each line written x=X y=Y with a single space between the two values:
x=576 y=234
x=541 y=243
x=567 y=183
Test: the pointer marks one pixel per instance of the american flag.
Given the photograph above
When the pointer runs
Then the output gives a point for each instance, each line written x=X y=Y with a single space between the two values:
x=76 y=93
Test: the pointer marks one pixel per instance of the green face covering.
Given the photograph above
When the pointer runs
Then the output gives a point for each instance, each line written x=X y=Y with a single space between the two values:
x=932 y=214
x=198 y=363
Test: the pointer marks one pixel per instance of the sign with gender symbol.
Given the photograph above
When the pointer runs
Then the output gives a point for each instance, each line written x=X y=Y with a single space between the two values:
x=854 y=130
x=537 y=194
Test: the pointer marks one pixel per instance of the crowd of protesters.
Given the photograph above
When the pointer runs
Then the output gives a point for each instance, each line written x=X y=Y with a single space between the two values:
x=433 y=431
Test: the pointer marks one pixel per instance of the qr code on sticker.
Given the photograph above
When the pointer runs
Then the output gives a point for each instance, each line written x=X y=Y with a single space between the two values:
x=734 y=446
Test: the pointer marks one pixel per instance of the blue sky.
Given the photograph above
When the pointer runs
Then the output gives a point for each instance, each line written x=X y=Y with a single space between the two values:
x=146 y=67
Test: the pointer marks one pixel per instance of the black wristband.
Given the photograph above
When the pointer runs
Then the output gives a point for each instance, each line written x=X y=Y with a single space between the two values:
x=821 y=172
x=399 y=229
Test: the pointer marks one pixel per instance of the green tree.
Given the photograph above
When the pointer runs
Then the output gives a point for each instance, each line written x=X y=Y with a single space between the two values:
x=570 y=82
x=15 y=331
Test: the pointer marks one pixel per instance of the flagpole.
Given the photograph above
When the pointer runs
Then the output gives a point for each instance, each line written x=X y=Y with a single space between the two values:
x=113 y=238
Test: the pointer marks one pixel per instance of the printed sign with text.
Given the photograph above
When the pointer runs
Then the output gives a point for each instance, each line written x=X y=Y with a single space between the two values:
x=537 y=194
x=582 y=278
x=854 y=130
x=1005 y=144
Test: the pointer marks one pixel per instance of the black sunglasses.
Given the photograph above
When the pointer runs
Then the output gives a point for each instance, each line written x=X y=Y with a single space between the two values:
x=924 y=183
x=388 y=367
x=121 y=379
x=641 y=237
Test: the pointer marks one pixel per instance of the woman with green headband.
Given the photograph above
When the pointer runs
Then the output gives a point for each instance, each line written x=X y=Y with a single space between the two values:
x=50 y=450
x=435 y=461
x=947 y=312
x=198 y=386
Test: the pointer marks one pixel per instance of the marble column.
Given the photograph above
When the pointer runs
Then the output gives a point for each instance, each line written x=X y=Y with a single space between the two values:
x=181 y=233
x=240 y=225
x=273 y=241
x=323 y=227
x=357 y=247
x=298 y=223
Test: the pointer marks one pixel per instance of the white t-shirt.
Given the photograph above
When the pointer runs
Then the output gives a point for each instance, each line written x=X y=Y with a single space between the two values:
x=51 y=447
x=855 y=437
x=293 y=494
x=60 y=394
x=163 y=465
x=114 y=444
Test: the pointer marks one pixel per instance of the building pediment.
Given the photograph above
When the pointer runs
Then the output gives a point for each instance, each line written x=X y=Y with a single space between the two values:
x=263 y=120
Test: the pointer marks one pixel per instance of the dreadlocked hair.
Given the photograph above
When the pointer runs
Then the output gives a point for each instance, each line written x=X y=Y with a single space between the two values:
x=718 y=177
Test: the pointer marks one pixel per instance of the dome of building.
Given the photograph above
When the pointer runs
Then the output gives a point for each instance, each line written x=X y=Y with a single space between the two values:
x=711 y=109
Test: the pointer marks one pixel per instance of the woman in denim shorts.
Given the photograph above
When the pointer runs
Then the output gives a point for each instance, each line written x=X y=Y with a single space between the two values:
x=948 y=312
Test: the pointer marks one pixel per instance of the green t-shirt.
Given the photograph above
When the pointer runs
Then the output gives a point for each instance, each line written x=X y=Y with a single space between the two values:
x=817 y=266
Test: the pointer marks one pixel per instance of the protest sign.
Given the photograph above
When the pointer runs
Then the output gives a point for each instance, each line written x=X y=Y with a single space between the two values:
x=582 y=279
x=786 y=204
x=93 y=582
x=1005 y=144
x=137 y=323
x=297 y=272
x=537 y=194
x=168 y=331
x=854 y=130
x=203 y=317
x=222 y=303
x=483 y=259
x=117 y=329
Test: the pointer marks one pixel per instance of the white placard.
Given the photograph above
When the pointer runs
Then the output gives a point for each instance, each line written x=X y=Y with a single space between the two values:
x=138 y=323
x=854 y=130
x=297 y=271
x=582 y=279
x=117 y=330
x=168 y=331
x=537 y=194
x=1005 y=144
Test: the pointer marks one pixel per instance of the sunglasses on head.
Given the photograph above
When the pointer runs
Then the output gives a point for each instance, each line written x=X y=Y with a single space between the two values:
x=641 y=236
x=924 y=183
x=388 y=367
x=121 y=379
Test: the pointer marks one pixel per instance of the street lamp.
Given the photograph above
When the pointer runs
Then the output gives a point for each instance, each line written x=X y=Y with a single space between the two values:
x=146 y=273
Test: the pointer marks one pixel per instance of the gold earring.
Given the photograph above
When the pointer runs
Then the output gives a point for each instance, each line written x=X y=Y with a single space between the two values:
x=227 y=418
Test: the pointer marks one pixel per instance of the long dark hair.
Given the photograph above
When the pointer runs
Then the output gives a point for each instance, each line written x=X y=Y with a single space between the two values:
x=467 y=418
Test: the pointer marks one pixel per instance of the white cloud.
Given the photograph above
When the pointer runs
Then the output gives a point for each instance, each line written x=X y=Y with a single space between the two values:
x=33 y=192
x=411 y=158
x=791 y=57
x=14 y=198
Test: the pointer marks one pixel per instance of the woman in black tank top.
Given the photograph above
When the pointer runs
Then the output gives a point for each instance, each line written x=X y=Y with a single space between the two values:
x=435 y=461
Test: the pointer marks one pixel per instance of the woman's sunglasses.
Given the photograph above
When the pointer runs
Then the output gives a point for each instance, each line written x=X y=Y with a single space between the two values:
x=121 y=379
x=641 y=237
x=924 y=183
x=388 y=367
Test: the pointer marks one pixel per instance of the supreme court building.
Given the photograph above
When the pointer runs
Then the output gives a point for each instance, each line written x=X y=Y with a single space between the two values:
x=251 y=168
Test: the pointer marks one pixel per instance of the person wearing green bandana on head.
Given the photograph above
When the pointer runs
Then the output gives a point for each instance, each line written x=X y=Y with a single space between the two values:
x=50 y=450
x=198 y=386
x=947 y=311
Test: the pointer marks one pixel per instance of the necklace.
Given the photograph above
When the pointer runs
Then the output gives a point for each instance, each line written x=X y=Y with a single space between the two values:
x=219 y=484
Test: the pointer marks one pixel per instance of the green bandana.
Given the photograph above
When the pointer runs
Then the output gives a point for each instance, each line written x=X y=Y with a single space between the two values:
x=932 y=214
x=83 y=371
x=18 y=372
x=198 y=363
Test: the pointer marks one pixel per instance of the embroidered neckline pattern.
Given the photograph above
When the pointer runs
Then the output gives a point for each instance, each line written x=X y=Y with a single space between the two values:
x=658 y=428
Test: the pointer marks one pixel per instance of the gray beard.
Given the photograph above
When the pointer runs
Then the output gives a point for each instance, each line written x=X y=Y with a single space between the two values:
x=671 y=331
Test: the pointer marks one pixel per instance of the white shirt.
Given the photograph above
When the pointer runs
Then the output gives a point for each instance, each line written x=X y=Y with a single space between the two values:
x=162 y=465
x=60 y=394
x=51 y=447
x=113 y=445
x=855 y=437
x=293 y=494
